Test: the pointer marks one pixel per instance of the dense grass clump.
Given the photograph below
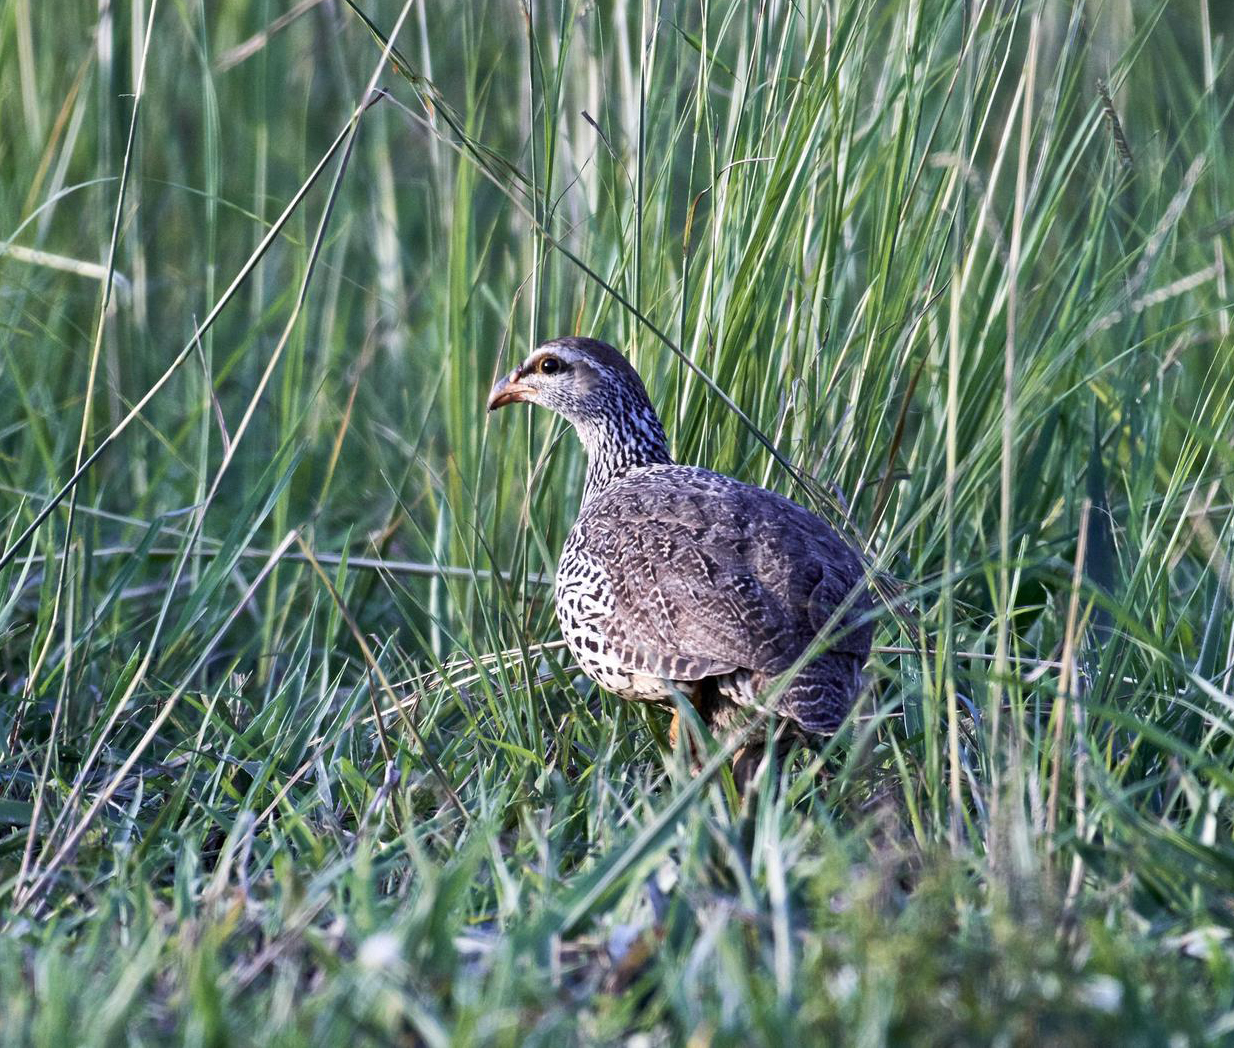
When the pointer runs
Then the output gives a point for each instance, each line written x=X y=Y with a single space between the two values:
x=289 y=749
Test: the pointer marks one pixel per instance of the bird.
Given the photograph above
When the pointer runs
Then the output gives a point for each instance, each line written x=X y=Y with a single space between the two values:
x=679 y=582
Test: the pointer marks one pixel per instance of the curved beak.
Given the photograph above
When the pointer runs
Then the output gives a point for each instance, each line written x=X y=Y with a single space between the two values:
x=509 y=390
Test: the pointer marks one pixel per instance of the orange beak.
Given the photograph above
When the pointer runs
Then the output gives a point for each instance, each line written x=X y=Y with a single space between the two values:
x=509 y=390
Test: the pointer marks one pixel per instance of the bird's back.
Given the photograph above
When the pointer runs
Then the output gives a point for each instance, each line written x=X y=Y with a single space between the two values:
x=674 y=574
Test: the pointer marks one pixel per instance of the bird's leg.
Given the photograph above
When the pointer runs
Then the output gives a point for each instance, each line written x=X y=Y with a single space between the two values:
x=695 y=697
x=746 y=761
x=748 y=758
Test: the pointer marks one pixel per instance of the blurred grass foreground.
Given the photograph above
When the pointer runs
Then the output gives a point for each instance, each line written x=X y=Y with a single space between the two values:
x=290 y=752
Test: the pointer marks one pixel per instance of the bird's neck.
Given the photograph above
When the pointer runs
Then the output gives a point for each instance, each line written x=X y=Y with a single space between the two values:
x=619 y=442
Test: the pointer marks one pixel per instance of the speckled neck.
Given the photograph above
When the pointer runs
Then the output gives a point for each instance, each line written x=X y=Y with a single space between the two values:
x=622 y=436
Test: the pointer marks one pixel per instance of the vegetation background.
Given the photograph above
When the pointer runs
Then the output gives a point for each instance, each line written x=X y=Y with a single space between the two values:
x=962 y=262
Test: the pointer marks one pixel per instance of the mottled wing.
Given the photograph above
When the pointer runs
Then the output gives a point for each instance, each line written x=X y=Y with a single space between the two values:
x=708 y=574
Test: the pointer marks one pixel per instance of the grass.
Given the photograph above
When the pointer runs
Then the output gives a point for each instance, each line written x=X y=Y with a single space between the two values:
x=289 y=752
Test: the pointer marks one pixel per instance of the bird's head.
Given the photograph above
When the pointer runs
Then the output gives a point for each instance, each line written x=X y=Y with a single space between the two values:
x=594 y=388
x=579 y=378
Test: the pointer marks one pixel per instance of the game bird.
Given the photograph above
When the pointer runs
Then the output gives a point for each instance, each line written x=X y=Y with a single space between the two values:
x=677 y=581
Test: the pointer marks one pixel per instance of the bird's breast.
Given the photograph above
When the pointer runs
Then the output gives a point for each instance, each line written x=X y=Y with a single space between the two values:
x=585 y=605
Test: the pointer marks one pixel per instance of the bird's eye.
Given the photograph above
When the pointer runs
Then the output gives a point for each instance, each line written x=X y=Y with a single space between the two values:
x=550 y=366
